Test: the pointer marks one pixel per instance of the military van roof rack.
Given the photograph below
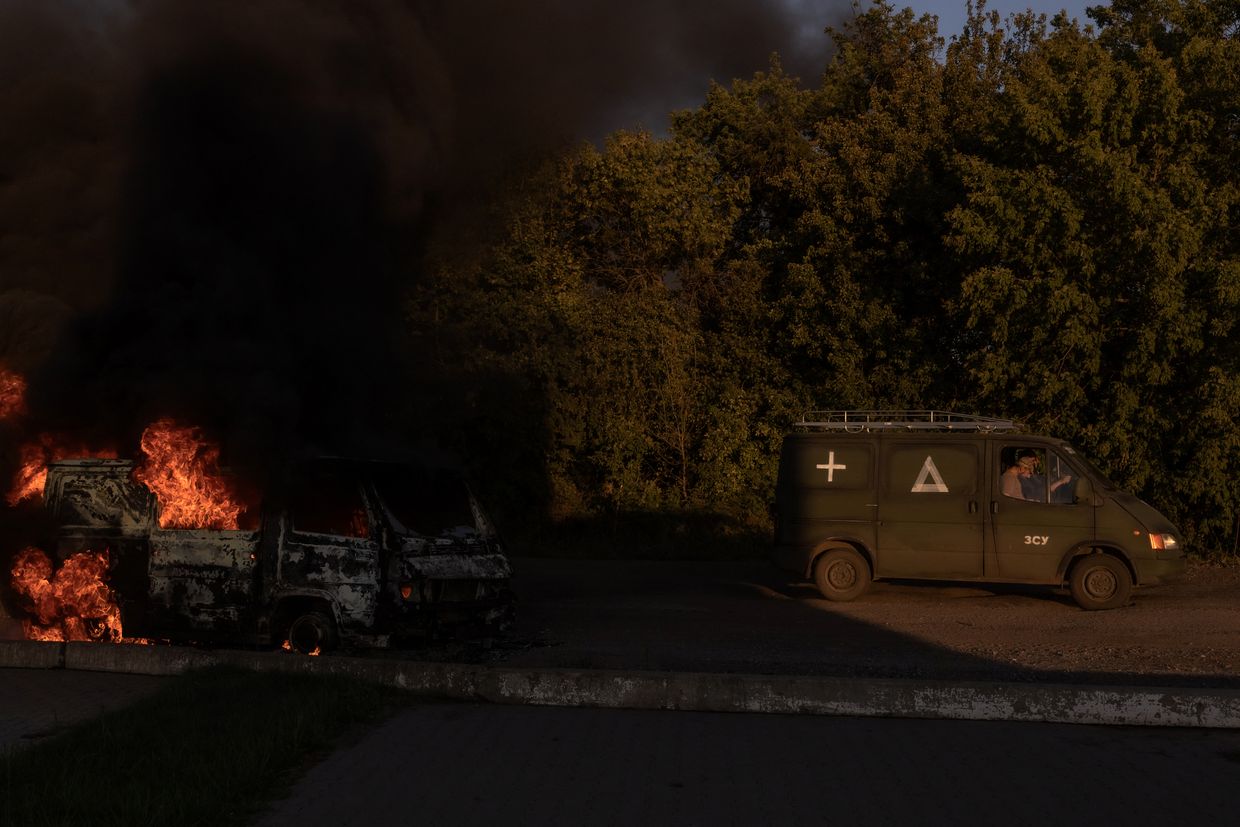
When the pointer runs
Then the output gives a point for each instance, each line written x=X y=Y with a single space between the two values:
x=855 y=422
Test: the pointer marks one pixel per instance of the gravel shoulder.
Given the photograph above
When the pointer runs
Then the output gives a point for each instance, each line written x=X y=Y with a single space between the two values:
x=749 y=617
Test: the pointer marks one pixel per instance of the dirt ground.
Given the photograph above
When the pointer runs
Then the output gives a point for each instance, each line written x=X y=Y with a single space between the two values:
x=749 y=617
x=1188 y=628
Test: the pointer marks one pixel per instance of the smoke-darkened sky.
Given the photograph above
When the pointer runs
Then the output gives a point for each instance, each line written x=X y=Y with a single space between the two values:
x=200 y=203
x=953 y=13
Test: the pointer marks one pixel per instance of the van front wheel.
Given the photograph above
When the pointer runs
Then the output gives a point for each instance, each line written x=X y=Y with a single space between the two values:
x=841 y=574
x=312 y=633
x=1099 y=581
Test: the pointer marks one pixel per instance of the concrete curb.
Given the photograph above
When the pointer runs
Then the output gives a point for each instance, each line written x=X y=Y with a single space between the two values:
x=690 y=691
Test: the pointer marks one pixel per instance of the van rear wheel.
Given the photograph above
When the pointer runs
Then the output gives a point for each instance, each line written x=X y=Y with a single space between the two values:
x=1099 y=581
x=841 y=574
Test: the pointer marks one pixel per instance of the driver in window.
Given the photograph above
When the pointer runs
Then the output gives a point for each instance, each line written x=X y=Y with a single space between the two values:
x=1014 y=478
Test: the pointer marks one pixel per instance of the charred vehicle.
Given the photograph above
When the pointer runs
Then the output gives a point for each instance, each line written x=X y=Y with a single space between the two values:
x=360 y=553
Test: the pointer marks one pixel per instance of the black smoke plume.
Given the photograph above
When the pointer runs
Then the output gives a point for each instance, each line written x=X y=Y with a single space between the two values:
x=212 y=211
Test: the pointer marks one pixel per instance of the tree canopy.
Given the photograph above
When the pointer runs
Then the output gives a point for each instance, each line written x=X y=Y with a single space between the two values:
x=1033 y=219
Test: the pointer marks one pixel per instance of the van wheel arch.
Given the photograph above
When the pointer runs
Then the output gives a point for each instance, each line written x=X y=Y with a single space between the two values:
x=827 y=545
x=1071 y=558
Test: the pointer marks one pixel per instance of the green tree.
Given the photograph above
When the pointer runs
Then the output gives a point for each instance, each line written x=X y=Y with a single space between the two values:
x=1096 y=242
x=1037 y=222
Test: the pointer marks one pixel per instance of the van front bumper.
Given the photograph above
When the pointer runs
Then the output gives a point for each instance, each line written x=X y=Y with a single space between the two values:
x=1160 y=571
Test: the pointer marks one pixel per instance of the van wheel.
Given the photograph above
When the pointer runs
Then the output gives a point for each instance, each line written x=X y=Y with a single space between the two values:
x=1099 y=581
x=312 y=634
x=841 y=574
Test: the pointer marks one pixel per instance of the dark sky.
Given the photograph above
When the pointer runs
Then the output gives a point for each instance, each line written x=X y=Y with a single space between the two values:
x=199 y=202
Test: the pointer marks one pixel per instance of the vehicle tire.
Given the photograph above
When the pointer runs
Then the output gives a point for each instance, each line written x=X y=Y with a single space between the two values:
x=1100 y=581
x=312 y=633
x=841 y=574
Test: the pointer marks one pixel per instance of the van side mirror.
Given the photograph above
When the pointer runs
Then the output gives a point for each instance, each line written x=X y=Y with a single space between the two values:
x=1084 y=492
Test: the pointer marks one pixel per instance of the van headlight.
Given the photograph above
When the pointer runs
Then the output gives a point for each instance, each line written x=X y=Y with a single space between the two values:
x=1164 y=542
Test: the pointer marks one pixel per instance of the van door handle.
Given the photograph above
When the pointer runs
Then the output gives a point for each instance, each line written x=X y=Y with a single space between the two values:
x=994 y=507
x=972 y=506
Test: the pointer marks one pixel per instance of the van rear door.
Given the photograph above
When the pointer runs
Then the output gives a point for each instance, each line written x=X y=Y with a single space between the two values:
x=930 y=518
x=826 y=489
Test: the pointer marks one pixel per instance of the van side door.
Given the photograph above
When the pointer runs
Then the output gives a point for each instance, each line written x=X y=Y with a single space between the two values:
x=202 y=580
x=1036 y=516
x=330 y=547
x=930 y=518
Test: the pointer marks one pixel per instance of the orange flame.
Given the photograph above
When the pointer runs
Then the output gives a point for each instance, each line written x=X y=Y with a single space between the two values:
x=12 y=393
x=72 y=604
x=31 y=476
x=182 y=469
x=31 y=473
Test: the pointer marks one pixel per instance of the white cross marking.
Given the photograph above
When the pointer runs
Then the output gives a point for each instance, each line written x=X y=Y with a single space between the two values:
x=831 y=467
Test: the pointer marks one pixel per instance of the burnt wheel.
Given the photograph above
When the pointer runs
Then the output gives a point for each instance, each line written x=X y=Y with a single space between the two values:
x=1099 y=581
x=841 y=574
x=312 y=633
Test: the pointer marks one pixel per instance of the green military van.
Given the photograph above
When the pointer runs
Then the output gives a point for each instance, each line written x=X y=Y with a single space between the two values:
x=866 y=495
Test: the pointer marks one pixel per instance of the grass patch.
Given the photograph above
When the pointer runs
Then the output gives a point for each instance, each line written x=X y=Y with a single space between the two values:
x=210 y=748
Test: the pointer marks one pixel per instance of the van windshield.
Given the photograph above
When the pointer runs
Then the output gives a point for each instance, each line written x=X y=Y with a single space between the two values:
x=424 y=501
x=1094 y=471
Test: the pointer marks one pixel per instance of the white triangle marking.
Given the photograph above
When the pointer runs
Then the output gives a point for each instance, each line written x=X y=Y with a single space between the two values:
x=928 y=469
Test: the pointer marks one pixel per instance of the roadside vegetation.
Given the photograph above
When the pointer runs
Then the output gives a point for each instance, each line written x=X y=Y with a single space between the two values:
x=209 y=749
x=1031 y=219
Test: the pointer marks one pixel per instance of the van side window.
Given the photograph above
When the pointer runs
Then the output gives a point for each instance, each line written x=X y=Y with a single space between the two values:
x=1037 y=475
x=330 y=505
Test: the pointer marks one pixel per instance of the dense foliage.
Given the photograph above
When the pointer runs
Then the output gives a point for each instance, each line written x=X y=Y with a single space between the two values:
x=1033 y=219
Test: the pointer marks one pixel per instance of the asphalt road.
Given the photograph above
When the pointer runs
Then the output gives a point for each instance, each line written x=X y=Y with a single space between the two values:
x=467 y=764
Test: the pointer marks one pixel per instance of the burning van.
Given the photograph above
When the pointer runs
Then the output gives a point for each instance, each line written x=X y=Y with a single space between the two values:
x=350 y=552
